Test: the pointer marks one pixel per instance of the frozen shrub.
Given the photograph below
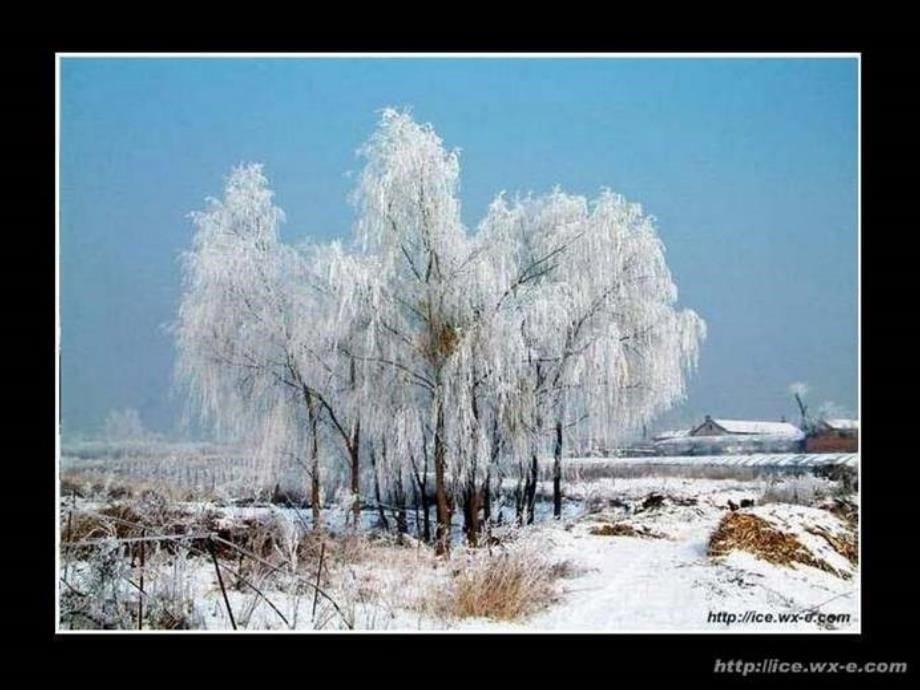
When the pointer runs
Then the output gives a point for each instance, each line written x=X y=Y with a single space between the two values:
x=509 y=586
x=99 y=600
x=806 y=490
x=102 y=591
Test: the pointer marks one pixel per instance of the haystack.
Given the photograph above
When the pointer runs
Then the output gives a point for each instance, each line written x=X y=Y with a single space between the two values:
x=744 y=531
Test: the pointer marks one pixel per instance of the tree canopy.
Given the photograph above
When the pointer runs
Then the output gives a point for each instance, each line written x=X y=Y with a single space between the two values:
x=427 y=347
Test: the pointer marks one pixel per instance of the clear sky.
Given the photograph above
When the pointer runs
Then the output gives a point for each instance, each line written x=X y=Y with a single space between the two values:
x=749 y=165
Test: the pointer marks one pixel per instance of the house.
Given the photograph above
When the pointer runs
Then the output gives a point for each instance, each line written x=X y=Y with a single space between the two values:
x=834 y=436
x=730 y=436
x=738 y=427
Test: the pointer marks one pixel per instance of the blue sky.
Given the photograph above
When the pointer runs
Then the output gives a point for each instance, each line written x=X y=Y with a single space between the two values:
x=749 y=165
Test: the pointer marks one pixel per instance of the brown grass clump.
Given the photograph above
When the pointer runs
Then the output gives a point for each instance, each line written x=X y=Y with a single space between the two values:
x=311 y=543
x=151 y=513
x=623 y=529
x=82 y=527
x=259 y=536
x=116 y=521
x=746 y=532
x=349 y=548
x=120 y=520
x=507 y=587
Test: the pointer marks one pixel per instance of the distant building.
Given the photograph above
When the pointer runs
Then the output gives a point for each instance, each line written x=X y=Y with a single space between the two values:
x=834 y=436
x=738 y=427
x=727 y=436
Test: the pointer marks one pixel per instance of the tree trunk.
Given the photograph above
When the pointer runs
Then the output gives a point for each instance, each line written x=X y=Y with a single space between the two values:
x=377 y=499
x=353 y=449
x=471 y=505
x=417 y=509
x=426 y=503
x=314 y=466
x=493 y=462
x=472 y=500
x=520 y=494
x=487 y=496
x=426 y=518
x=532 y=488
x=421 y=494
x=402 y=525
x=315 y=498
x=557 y=472
x=442 y=500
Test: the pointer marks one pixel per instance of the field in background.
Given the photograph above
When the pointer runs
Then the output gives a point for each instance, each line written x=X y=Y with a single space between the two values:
x=201 y=469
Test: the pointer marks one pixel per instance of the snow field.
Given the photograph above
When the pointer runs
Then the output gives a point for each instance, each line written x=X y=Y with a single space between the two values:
x=609 y=583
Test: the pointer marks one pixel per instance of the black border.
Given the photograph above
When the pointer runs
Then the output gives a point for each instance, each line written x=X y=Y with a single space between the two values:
x=887 y=526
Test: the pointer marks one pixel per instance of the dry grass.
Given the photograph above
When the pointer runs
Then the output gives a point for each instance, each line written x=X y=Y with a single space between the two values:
x=146 y=516
x=99 y=485
x=506 y=587
x=624 y=529
x=746 y=532
x=82 y=527
x=270 y=537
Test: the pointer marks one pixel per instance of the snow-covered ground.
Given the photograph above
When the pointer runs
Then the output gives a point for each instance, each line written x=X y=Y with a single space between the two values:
x=669 y=584
x=659 y=579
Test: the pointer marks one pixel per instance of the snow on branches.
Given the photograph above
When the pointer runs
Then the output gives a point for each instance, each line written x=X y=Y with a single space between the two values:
x=423 y=346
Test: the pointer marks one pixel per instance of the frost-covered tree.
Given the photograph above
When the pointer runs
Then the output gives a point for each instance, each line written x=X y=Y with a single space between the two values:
x=234 y=319
x=428 y=348
x=409 y=224
x=335 y=295
x=602 y=344
x=256 y=344
x=125 y=425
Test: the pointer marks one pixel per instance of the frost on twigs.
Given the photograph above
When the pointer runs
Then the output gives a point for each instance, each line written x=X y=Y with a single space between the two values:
x=423 y=358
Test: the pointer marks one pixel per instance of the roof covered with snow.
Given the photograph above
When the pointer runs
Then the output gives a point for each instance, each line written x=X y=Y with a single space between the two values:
x=740 y=426
x=842 y=424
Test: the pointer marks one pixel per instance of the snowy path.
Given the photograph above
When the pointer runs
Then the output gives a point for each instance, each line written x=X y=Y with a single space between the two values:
x=637 y=584
x=633 y=584
x=660 y=585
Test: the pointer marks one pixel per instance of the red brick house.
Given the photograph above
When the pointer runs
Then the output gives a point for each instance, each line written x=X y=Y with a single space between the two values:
x=834 y=436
